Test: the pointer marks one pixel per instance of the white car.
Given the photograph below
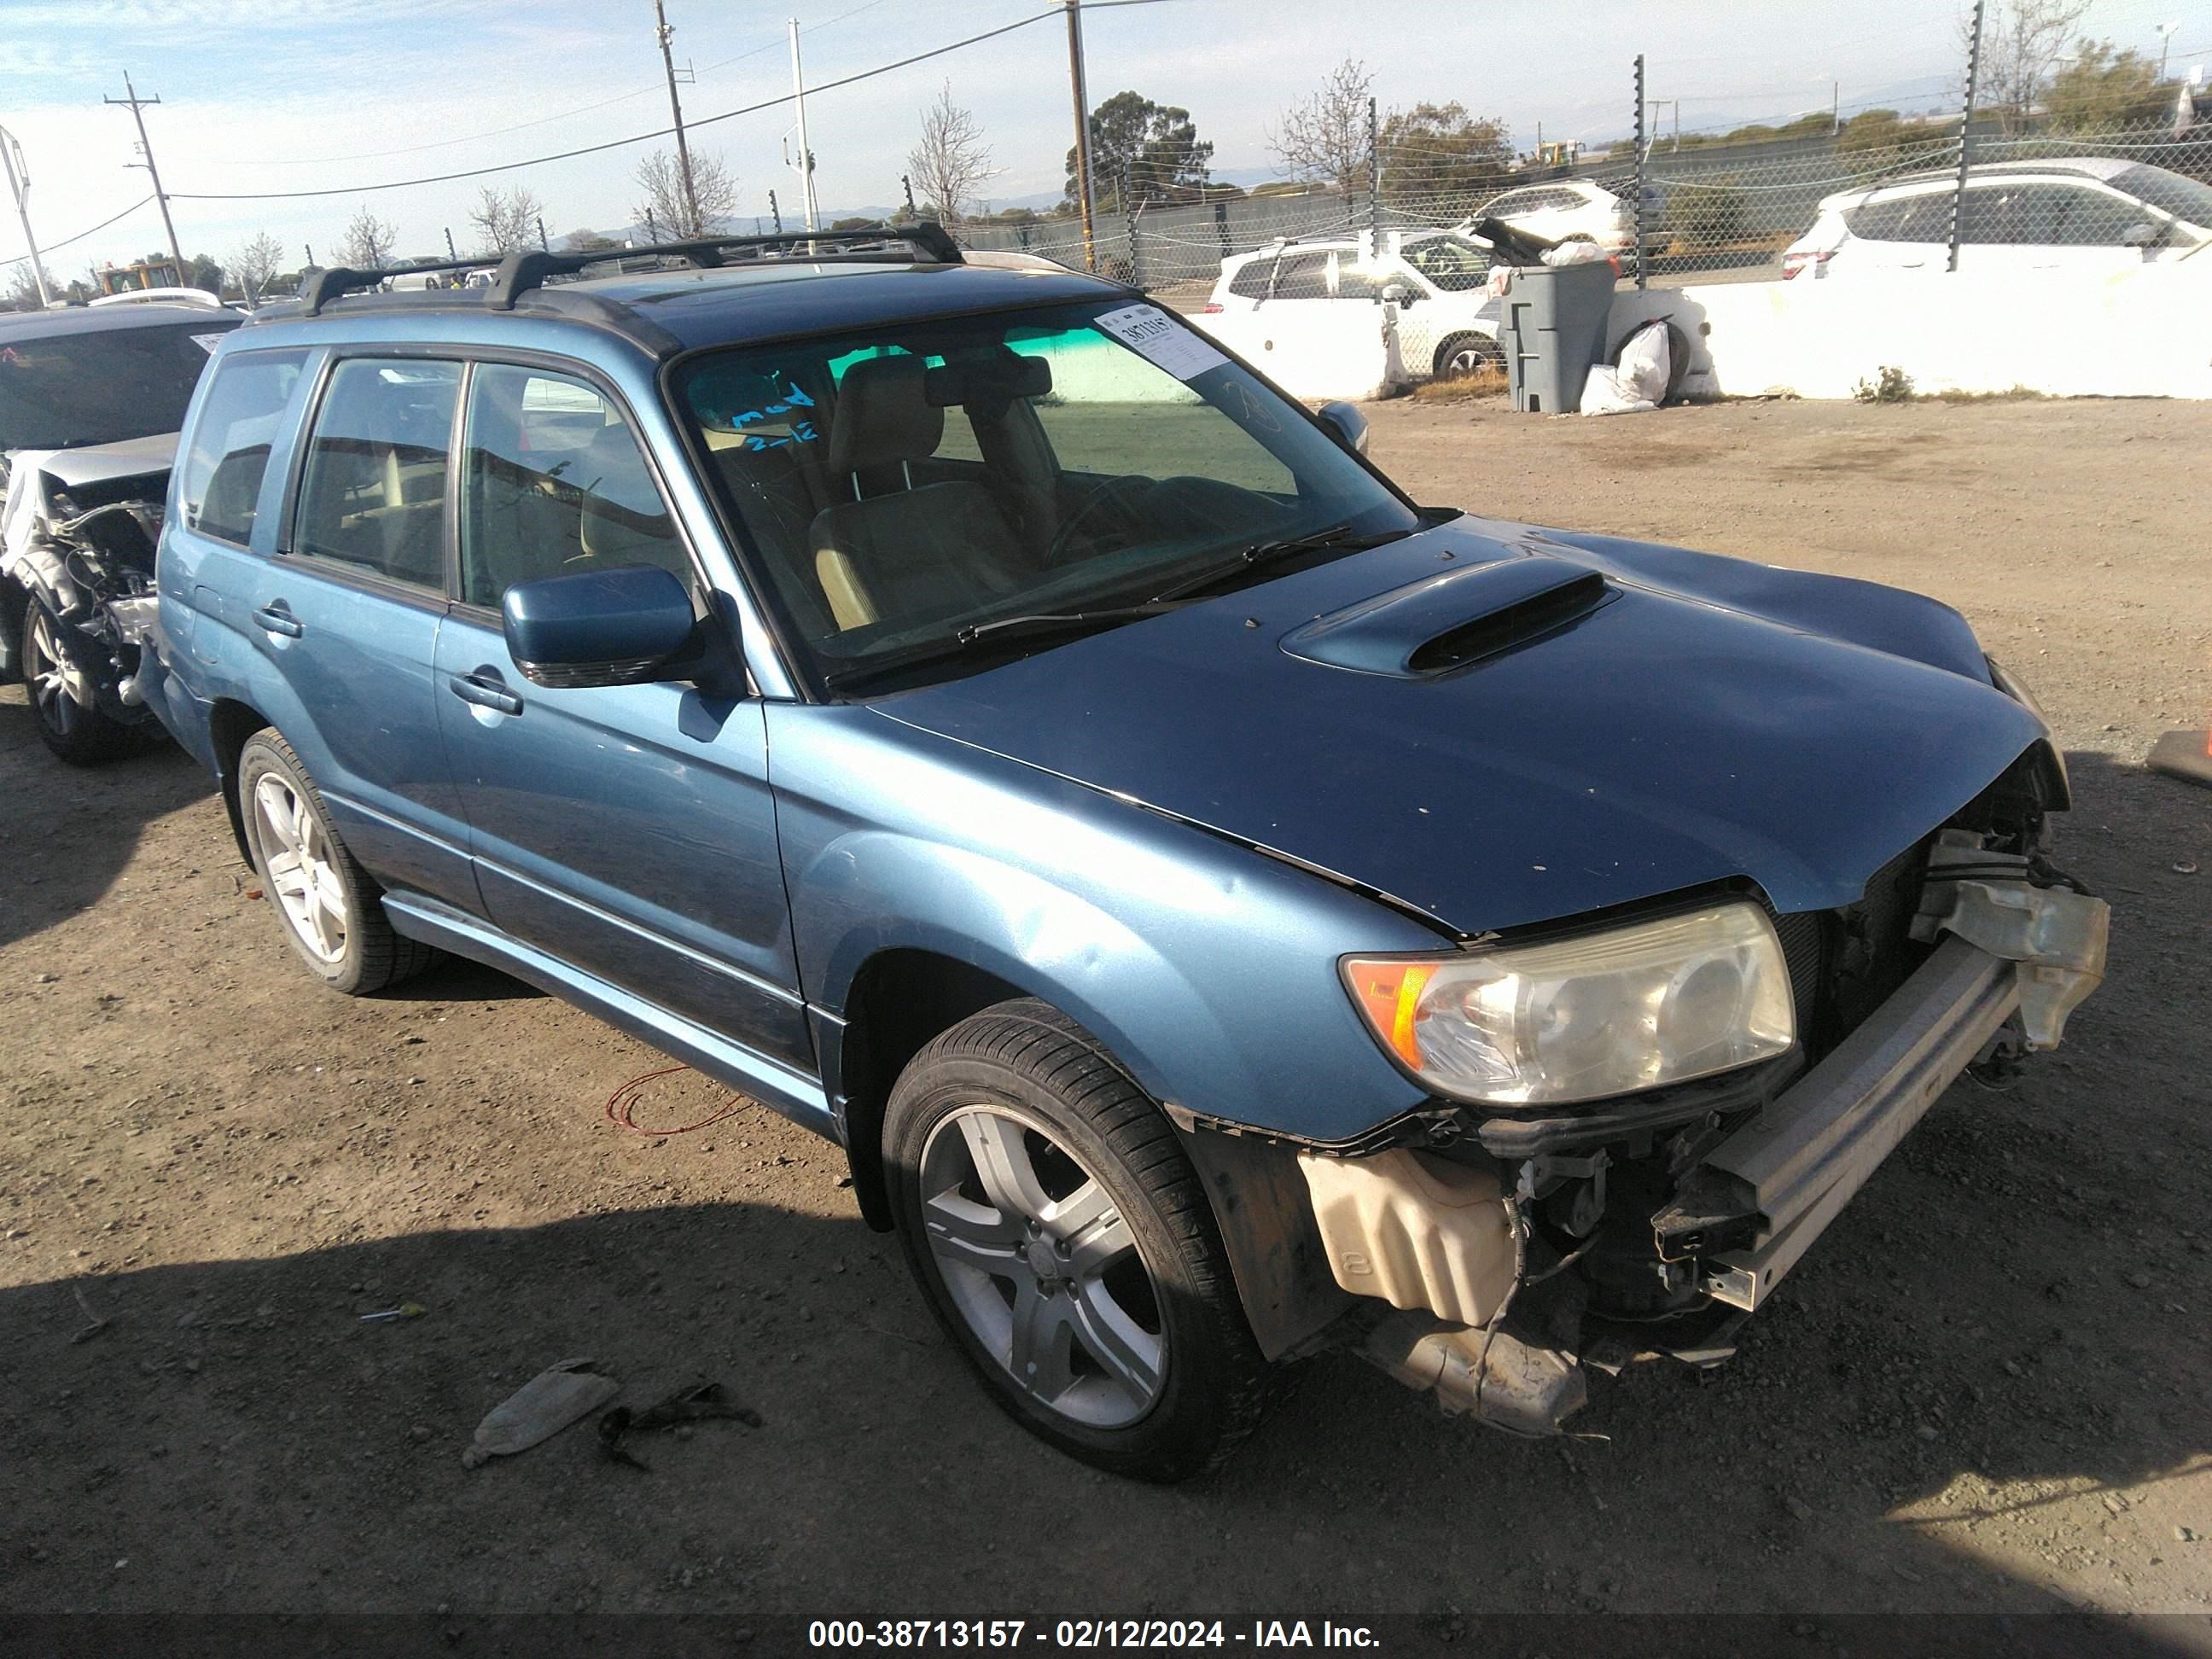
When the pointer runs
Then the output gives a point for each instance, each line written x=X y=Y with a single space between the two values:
x=2087 y=215
x=1576 y=211
x=1440 y=279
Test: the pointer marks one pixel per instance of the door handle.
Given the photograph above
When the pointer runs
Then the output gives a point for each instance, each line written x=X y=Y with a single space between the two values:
x=485 y=691
x=278 y=618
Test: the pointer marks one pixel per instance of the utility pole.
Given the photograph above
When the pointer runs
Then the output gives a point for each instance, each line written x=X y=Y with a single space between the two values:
x=676 y=109
x=1966 y=131
x=1374 y=187
x=1083 y=199
x=543 y=245
x=805 y=154
x=19 y=180
x=2166 y=32
x=1835 y=107
x=137 y=108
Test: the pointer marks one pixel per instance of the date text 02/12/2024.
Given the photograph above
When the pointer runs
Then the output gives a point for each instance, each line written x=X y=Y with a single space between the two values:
x=1084 y=1634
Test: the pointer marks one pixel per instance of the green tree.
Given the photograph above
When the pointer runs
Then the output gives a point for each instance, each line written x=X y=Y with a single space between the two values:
x=857 y=223
x=588 y=241
x=204 y=273
x=1155 y=147
x=1439 y=151
x=2104 y=86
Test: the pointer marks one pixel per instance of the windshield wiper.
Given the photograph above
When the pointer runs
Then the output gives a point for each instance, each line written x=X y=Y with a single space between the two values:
x=1336 y=536
x=1038 y=625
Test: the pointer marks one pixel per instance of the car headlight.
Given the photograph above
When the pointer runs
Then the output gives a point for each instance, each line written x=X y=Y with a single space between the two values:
x=1583 y=1018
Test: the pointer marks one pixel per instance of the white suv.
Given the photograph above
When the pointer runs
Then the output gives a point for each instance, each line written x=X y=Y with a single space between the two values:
x=2088 y=215
x=1574 y=210
x=1442 y=278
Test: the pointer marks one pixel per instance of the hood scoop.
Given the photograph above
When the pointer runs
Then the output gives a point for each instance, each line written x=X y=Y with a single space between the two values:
x=1446 y=622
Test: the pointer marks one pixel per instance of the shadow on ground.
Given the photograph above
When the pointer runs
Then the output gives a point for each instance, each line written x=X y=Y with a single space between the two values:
x=64 y=858
x=236 y=1438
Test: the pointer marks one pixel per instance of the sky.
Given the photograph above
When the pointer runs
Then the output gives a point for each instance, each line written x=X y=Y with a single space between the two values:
x=263 y=96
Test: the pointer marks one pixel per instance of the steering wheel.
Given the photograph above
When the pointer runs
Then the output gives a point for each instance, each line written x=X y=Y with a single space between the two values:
x=1086 y=508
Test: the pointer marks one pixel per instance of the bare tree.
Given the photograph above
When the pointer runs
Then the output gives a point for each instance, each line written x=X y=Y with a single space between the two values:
x=951 y=160
x=23 y=288
x=659 y=179
x=506 y=219
x=1324 y=134
x=254 y=263
x=367 y=242
x=2021 y=39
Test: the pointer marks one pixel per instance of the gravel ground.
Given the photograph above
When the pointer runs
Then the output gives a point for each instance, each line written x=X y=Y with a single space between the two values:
x=1985 y=1390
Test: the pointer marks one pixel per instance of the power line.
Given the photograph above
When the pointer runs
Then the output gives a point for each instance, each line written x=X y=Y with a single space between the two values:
x=545 y=120
x=52 y=246
x=634 y=138
x=661 y=132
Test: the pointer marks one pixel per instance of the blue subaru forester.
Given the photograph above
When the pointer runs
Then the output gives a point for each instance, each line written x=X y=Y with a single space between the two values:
x=1225 y=911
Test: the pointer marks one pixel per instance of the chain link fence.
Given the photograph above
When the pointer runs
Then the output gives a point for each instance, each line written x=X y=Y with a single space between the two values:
x=1712 y=212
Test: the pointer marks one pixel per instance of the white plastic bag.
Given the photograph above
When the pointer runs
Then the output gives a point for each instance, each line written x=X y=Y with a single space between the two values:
x=1573 y=253
x=1638 y=382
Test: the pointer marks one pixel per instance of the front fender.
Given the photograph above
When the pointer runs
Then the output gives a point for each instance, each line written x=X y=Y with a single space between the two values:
x=1208 y=969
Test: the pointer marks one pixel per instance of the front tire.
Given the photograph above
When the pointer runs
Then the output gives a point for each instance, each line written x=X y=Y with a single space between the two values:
x=62 y=698
x=1067 y=1248
x=330 y=909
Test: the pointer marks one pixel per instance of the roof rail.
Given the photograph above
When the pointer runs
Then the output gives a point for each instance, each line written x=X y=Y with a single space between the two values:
x=530 y=268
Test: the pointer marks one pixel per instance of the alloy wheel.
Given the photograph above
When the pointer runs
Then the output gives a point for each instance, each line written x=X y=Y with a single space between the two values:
x=62 y=689
x=300 y=868
x=1035 y=1254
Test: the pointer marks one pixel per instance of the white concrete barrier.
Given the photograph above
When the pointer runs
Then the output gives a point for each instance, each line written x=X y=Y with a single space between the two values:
x=1313 y=351
x=2140 y=333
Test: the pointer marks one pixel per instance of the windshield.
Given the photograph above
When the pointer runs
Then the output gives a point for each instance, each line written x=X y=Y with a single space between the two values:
x=904 y=487
x=2185 y=198
x=63 y=391
x=1454 y=264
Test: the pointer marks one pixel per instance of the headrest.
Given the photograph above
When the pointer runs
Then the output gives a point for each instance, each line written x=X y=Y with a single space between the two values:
x=883 y=416
x=989 y=380
x=609 y=468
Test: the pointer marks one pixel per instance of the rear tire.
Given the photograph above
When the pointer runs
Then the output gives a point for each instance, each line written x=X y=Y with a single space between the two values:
x=1464 y=356
x=71 y=722
x=1067 y=1248
x=330 y=909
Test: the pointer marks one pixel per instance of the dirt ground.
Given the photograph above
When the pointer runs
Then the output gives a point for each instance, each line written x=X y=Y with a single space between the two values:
x=1985 y=1390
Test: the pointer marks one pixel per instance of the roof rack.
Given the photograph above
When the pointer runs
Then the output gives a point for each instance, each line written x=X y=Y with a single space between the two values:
x=522 y=271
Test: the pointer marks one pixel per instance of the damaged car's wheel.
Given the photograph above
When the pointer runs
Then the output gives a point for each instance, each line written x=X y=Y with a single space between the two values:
x=63 y=697
x=1067 y=1247
x=328 y=908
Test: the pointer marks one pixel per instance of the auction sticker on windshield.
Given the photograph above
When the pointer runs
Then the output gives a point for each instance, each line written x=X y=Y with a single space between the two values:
x=1180 y=351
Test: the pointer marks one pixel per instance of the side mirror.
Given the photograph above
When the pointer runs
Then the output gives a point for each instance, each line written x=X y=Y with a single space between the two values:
x=2141 y=235
x=1397 y=293
x=616 y=627
x=1346 y=424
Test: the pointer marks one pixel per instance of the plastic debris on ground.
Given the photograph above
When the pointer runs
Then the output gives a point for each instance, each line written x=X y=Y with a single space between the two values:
x=1636 y=382
x=538 y=1410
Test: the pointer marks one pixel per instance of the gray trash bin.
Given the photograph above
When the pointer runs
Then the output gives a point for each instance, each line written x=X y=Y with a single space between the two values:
x=1554 y=331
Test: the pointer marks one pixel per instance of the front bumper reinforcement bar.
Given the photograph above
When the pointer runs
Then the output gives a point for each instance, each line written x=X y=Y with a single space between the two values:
x=1803 y=1157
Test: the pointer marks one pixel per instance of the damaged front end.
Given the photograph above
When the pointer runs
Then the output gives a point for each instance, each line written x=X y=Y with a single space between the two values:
x=1487 y=1256
x=78 y=536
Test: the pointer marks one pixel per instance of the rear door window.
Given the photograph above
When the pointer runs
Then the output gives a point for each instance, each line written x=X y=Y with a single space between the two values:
x=219 y=479
x=553 y=483
x=372 y=497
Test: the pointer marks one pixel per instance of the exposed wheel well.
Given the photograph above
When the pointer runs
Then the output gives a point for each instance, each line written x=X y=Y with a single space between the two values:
x=229 y=726
x=900 y=999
